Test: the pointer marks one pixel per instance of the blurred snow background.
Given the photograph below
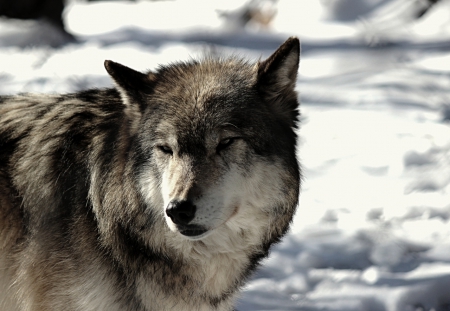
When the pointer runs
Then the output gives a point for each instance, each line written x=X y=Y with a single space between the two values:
x=372 y=230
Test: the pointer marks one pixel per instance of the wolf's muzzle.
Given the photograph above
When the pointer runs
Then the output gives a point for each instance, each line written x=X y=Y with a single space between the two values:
x=181 y=212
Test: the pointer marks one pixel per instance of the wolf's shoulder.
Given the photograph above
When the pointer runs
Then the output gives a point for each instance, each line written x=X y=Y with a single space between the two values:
x=30 y=106
x=92 y=96
x=30 y=114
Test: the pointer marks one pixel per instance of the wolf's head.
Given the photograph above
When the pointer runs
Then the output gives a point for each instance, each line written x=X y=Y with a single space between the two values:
x=216 y=142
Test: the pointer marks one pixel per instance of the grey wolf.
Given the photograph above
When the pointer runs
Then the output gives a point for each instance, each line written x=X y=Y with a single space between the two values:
x=162 y=193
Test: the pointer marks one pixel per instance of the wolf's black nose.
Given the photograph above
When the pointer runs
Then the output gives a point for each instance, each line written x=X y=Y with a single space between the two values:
x=181 y=212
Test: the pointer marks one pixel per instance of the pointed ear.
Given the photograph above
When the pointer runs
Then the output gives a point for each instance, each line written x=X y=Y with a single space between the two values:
x=130 y=83
x=277 y=77
x=132 y=86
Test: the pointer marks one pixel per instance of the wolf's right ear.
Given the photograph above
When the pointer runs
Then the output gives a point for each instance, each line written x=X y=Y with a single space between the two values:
x=131 y=84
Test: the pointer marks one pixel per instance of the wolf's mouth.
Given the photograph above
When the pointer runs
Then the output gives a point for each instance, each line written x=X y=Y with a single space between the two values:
x=192 y=231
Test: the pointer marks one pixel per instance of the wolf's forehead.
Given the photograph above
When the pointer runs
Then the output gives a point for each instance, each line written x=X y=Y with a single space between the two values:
x=207 y=92
x=199 y=82
x=201 y=125
x=202 y=100
x=200 y=121
x=194 y=101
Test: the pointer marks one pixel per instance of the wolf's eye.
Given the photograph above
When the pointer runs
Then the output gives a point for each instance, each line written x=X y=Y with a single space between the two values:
x=165 y=149
x=224 y=143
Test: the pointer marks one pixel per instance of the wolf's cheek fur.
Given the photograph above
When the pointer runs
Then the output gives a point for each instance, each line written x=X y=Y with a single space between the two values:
x=258 y=197
x=150 y=188
x=219 y=202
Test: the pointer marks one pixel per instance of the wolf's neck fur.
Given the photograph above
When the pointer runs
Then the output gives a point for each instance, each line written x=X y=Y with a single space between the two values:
x=215 y=267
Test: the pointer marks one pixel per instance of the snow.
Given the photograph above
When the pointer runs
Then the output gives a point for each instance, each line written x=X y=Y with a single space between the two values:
x=372 y=230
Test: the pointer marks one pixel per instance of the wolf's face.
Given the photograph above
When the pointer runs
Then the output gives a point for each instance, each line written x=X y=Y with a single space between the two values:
x=215 y=138
x=203 y=176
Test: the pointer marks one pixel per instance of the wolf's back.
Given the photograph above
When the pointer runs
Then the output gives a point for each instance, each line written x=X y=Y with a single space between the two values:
x=45 y=141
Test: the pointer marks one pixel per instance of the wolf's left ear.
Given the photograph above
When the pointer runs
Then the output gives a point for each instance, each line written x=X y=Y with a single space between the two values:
x=131 y=84
x=277 y=77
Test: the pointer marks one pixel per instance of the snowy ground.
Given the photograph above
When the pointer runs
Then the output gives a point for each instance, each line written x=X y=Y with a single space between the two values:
x=372 y=231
